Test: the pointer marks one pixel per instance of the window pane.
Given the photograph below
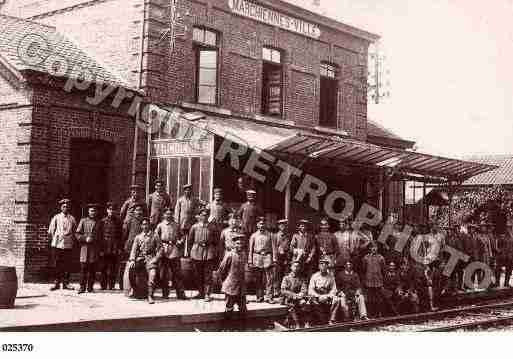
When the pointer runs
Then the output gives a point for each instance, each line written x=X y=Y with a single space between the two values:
x=207 y=94
x=210 y=38
x=266 y=54
x=198 y=34
x=276 y=57
x=208 y=77
x=208 y=59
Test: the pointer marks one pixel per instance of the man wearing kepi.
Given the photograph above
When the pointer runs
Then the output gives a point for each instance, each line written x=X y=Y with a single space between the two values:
x=232 y=271
x=203 y=249
x=89 y=234
x=144 y=256
x=128 y=208
x=294 y=289
x=157 y=202
x=249 y=212
x=322 y=291
x=62 y=236
x=168 y=233
x=112 y=247
x=186 y=209
x=282 y=244
x=218 y=210
x=261 y=259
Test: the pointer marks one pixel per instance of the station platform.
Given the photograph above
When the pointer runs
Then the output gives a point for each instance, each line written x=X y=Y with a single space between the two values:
x=39 y=309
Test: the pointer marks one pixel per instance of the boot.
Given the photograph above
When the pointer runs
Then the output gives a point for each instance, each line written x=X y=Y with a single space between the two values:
x=151 y=300
x=181 y=295
x=165 y=293
x=81 y=290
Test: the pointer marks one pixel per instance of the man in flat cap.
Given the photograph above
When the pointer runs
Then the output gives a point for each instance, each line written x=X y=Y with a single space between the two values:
x=282 y=244
x=249 y=212
x=302 y=247
x=168 y=233
x=322 y=291
x=157 y=201
x=261 y=259
x=62 y=236
x=112 y=247
x=89 y=237
x=186 y=209
x=294 y=289
x=144 y=258
x=232 y=271
x=226 y=239
x=128 y=208
x=203 y=248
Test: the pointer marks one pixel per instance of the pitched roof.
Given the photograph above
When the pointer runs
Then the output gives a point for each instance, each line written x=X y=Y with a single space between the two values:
x=374 y=129
x=46 y=43
x=501 y=176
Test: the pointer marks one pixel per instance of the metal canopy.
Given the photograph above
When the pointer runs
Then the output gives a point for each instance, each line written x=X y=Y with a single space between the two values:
x=362 y=153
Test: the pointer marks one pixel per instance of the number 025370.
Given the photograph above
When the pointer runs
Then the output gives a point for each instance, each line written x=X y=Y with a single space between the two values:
x=17 y=347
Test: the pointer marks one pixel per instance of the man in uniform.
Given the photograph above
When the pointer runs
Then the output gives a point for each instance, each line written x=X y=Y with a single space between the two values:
x=89 y=237
x=282 y=244
x=226 y=239
x=112 y=247
x=249 y=212
x=326 y=243
x=62 y=236
x=128 y=208
x=168 y=235
x=261 y=259
x=203 y=248
x=374 y=269
x=232 y=271
x=186 y=209
x=504 y=259
x=294 y=289
x=350 y=291
x=322 y=291
x=342 y=237
x=157 y=202
x=302 y=247
x=144 y=257
x=131 y=229
x=218 y=210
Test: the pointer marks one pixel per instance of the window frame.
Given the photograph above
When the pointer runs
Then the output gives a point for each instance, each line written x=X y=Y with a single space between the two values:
x=198 y=48
x=334 y=70
x=265 y=111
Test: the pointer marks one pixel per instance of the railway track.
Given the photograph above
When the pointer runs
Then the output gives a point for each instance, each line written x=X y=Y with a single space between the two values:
x=454 y=319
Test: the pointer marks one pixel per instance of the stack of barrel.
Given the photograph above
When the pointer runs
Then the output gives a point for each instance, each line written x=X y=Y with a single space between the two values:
x=8 y=287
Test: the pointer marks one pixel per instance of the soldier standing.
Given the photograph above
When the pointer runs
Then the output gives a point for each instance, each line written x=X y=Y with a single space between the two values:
x=168 y=234
x=218 y=210
x=144 y=256
x=62 y=235
x=261 y=259
x=322 y=291
x=232 y=271
x=185 y=211
x=203 y=249
x=128 y=208
x=294 y=289
x=282 y=244
x=112 y=247
x=131 y=229
x=226 y=240
x=157 y=202
x=326 y=242
x=302 y=247
x=89 y=234
x=374 y=270
x=249 y=212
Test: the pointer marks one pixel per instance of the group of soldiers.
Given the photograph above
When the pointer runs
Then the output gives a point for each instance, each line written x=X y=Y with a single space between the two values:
x=321 y=277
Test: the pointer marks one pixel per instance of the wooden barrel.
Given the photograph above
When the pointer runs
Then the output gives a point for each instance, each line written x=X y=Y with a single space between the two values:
x=8 y=286
x=187 y=273
x=250 y=280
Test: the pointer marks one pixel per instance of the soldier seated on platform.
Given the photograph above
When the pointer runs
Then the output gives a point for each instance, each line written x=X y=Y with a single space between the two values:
x=232 y=271
x=294 y=289
x=144 y=258
x=350 y=292
x=322 y=291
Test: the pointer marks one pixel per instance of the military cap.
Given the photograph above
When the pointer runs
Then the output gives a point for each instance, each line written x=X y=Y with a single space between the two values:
x=250 y=191
x=324 y=223
x=283 y=221
x=324 y=260
x=187 y=186
x=158 y=180
x=64 y=201
x=204 y=211
x=109 y=204
x=238 y=236
x=218 y=190
x=233 y=215
x=135 y=186
x=304 y=221
x=261 y=220
x=92 y=205
x=140 y=204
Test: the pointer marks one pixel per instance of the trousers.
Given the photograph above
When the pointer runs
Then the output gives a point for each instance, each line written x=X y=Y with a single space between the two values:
x=87 y=275
x=61 y=262
x=171 y=268
x=325 y=311
x=203 y=271
x=109 y=270
x=141 y=274
x=264 y=282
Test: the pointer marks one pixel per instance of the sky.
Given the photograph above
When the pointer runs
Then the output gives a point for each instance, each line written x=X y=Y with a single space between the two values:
x=450 y=63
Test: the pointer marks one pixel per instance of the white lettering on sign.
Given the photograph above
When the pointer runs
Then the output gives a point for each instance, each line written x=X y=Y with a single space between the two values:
x=271 y=17
x=180 y=148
